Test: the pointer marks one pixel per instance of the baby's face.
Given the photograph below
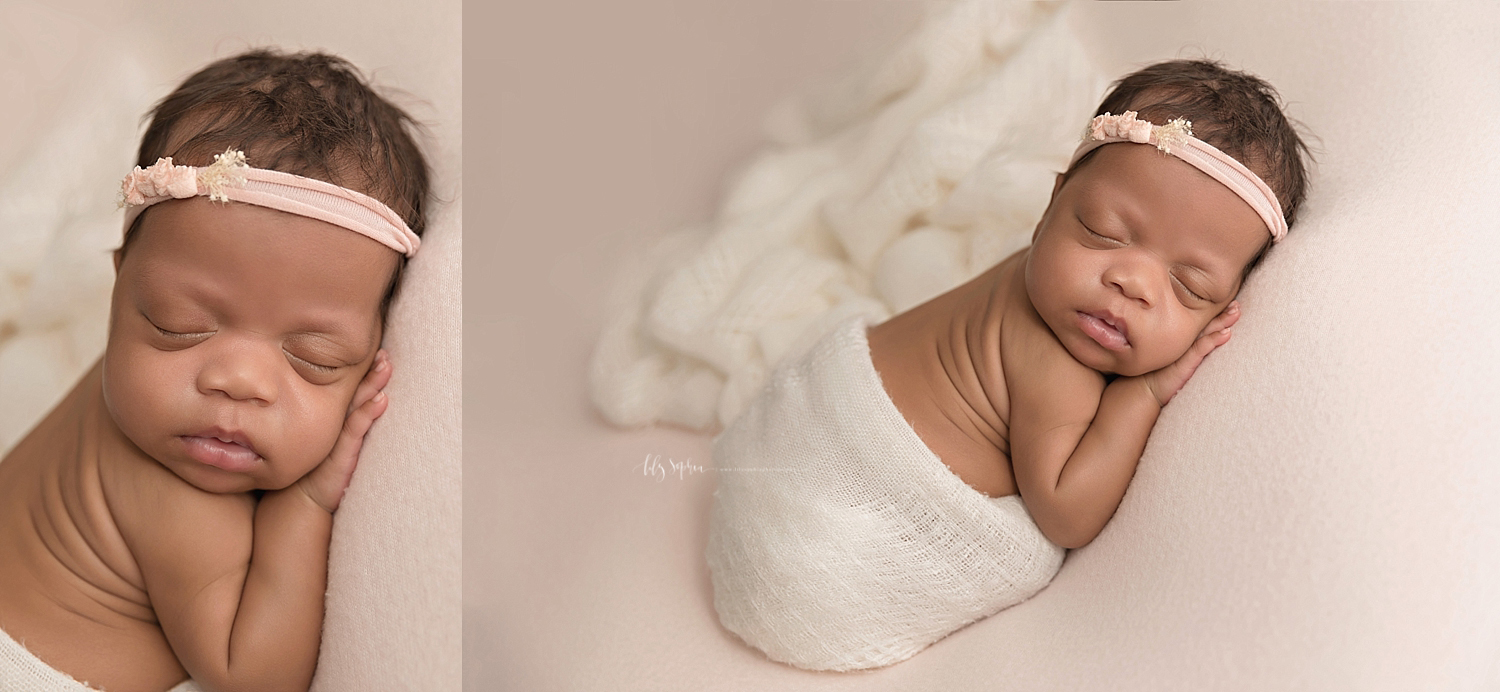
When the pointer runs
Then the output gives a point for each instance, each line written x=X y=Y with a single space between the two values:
x=1136 y=253
x=238 y=335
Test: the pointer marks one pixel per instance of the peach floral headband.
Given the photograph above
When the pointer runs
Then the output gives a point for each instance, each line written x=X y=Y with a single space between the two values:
x=1176 y=138
x=230 y=178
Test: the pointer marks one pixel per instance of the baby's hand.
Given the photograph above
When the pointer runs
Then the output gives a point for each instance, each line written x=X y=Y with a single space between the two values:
x=325 y=484
x=1165 y=382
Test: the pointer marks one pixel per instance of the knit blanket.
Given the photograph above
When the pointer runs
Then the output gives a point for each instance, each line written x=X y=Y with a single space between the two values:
x=897 y=183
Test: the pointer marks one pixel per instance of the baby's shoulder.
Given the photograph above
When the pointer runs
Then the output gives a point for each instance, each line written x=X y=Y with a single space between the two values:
x=153 y=507
x=1040 y=370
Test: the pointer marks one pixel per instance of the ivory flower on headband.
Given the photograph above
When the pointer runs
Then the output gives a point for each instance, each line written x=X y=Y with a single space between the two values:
x=1176 y=138
x=231 y=178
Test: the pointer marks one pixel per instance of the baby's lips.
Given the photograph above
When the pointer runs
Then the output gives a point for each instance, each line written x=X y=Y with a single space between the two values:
x=232 y=436
x=1102 y=332
x=1114 y=321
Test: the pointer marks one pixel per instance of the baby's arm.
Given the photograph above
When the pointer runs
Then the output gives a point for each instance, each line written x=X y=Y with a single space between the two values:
x=1074 y=448
x=243 y=609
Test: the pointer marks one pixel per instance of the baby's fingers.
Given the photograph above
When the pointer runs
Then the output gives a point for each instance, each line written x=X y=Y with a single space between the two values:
x=1166 y=382
x=357 y=425
x=1223 y=320
x=326 y=483
x=1212 y=340
x=1200 y=350
x=375 y=380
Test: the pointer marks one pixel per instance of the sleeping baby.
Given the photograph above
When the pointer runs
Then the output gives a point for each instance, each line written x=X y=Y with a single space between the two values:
x=167 y=524
x=902 y=480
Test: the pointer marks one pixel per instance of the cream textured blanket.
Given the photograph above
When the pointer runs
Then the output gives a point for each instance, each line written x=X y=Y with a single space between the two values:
x=20 y=671
x=838 y=540
x=889 y=188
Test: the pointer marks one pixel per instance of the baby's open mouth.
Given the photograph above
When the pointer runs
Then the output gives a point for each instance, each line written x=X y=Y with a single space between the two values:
x=222 y=449
x=1106 y=329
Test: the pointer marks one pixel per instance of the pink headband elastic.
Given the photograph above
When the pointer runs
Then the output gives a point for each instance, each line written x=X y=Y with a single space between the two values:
x=1176 y=138
x=229 y=178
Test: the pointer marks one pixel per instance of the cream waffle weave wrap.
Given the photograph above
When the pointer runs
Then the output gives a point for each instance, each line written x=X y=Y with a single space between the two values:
x=838 y=540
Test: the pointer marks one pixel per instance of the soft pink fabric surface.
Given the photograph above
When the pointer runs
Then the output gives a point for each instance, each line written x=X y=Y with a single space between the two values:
x=1314 y=511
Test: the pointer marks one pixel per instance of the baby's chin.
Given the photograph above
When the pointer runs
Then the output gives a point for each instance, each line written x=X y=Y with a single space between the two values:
x=221 y=482
x=217 y=486
x=1126 y=364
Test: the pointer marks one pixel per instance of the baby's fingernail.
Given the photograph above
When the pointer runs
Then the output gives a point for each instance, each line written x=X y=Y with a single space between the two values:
x=379 y=398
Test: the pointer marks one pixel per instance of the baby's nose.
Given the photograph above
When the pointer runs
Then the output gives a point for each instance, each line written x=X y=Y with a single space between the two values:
x=241 y=372
x=1133 y=282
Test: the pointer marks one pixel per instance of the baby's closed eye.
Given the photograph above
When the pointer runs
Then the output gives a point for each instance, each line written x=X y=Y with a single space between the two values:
x=315 y=363
x=1100 y=237
x=320 y=359
x=1194 y=296
x=179 y=332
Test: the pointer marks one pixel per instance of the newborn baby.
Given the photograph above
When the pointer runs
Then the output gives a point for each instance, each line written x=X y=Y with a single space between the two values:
x=1036 y=384
x=171 y=517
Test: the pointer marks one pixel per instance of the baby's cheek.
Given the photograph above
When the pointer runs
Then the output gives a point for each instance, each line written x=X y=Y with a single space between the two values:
x=311 y=431
x=142 y=394
x=1178 y=340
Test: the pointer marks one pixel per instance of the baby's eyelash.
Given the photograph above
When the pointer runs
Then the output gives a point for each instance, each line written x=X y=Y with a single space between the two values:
x=179 y=335
x=311 y=365
x=1190 y=291
x=1096 y=234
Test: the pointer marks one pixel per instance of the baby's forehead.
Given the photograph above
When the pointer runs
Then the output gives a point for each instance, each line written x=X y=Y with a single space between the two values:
x=259 y=254
x=1162 y=199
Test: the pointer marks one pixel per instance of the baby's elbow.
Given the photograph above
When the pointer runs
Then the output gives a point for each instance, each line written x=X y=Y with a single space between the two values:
x=1075 y=542
x=1069 y=534
x=270 y=681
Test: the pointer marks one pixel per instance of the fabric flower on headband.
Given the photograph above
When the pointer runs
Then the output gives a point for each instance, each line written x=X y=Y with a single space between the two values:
x=1123 y=126
x=163 y=179
x=1126 y=126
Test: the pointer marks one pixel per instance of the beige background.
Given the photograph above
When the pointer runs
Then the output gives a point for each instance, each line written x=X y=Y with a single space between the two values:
x=606 y=122
x=1314 y=512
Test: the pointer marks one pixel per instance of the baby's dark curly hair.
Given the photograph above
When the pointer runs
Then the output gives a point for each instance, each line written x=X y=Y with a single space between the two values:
x=310 y=114
x=1238 y=113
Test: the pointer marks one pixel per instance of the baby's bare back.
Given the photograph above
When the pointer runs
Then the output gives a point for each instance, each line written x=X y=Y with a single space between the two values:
x=69 y=586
